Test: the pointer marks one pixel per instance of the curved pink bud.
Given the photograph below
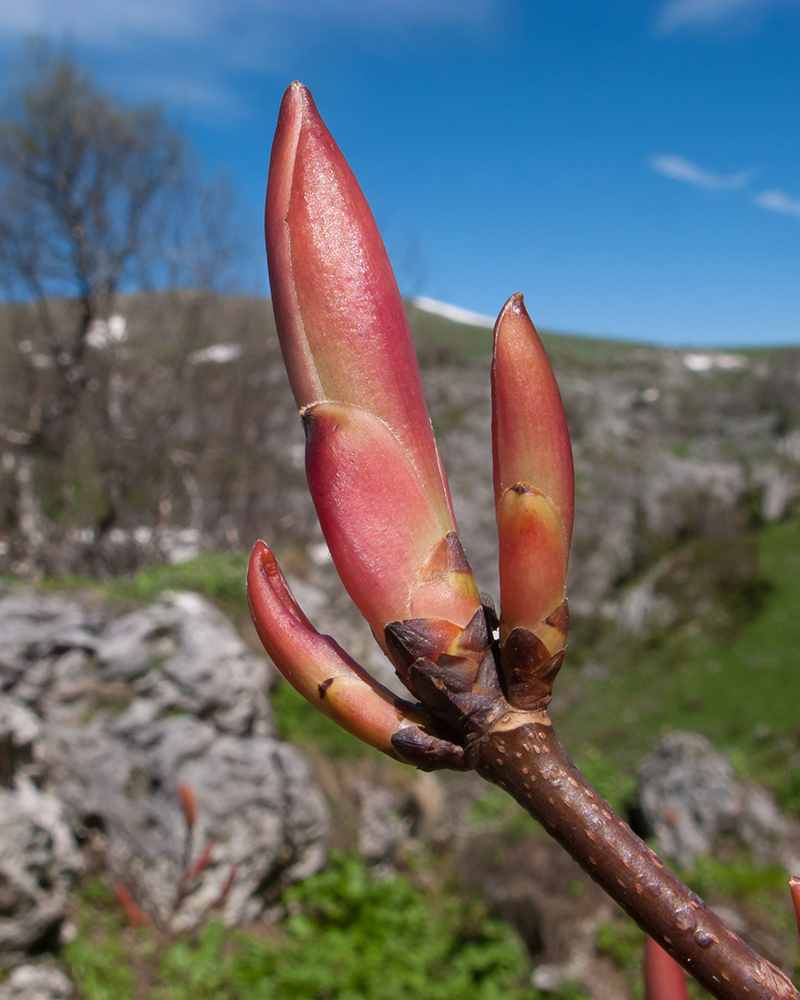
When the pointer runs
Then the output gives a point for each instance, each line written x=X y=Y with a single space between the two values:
x=379 y=524
x=347 y=344
x=316 y=666
x=533 y=479
x=664 y=979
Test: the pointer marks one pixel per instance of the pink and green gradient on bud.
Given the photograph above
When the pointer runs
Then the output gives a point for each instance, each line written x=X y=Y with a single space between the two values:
x=316 y=666
x=533 y=481
x=372 y=464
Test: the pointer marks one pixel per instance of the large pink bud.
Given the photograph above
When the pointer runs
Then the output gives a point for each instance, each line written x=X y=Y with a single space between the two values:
x=372 y=463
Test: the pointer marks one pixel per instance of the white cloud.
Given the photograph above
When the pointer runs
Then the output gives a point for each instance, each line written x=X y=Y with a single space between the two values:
x=677 y=14
x=682 y=170
x=779 y=201
x=111 y=24
x=185 y=91
x=157 y=46
x=98 y=22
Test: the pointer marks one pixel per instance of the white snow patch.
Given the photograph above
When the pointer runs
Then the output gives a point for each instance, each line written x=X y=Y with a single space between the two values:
x=219 y=354
x=455 y=313
x=705 y=362
x=105 y=332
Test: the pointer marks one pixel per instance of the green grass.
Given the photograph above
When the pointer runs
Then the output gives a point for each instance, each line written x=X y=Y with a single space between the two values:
x=98 y=959
x=715 y=879
x=346 y=936
x=439 y=338
x=754 y=680
x=741 y=688
x=436 y=337
x=217 y=575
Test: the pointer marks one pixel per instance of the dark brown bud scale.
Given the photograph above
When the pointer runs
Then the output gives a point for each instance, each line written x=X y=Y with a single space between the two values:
x=559 y=618
x=529 y=670
x=427 y=752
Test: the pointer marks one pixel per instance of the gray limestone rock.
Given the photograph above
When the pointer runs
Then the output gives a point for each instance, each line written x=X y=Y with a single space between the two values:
x=38 y=861
x=257 y=811
x=19 y=730
x=111 y=718
x=384 y=823
x=35 y=630
x=689 y=796
x=185 y=655
x=37 y=981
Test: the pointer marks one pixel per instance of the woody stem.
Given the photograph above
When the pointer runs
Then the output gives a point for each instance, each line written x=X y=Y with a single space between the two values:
x=530 y=763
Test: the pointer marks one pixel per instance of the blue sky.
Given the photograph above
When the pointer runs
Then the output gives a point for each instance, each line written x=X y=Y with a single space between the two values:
x=632 y=167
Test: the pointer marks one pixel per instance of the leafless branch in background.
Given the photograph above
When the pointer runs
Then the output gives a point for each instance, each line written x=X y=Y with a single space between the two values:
x=96 y=199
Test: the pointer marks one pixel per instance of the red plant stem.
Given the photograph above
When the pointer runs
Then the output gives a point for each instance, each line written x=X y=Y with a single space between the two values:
x=664 y=979
x=794 y=886
x=530 y=763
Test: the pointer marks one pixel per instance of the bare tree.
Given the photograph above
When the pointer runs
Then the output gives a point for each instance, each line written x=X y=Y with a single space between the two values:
x=84 y=189
x=96 y=199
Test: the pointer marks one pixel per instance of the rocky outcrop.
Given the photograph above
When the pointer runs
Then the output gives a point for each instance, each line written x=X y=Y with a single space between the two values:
x=38 y=860
x=102 y=720
x=667 y=445
x=689 y=796
x=39 y=981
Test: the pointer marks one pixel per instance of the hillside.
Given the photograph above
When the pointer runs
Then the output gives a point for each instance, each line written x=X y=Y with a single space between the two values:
x=685 y=579
x=688 y=484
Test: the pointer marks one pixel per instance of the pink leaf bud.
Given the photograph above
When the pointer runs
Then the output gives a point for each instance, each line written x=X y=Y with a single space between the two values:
x=533 y=481
x=373 y=466
x=316 y=666
x=135 y=914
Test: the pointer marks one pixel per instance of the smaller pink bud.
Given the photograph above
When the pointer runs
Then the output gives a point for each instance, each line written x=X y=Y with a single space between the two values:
x=533 y=481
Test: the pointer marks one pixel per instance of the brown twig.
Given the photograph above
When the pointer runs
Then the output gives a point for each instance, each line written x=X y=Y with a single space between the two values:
x=489 y=704
x=530 y=764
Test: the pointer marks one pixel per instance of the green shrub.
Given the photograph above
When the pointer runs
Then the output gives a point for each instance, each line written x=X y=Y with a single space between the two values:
x=712 y=878
x=219 y=575
x=787 y=790
x=346 y=936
